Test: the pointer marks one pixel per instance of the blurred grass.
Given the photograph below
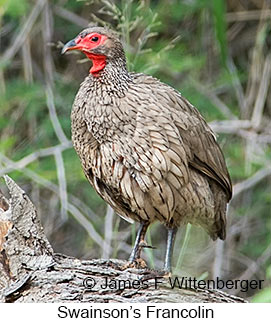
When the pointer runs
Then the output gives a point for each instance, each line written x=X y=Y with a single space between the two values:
x=219 y=10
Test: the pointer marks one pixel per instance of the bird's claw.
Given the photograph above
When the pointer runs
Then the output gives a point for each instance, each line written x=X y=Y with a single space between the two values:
x=138 y=263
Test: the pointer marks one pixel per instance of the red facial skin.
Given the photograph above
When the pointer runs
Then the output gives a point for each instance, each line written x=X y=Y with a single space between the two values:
x=86 y=44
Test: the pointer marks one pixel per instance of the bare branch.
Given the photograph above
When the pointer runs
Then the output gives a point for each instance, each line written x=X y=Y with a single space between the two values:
x=218 y=259
x=22 y=163
x=262 y=93
x=70 y=207
x=224 y=109
x=248 y=15
x=108 y=232
x=27 y=61
x=70 y=16
x=23 y=33
x=254 y=268
x=237 y=86
x=250 y=182
x=242 y=128
x=63 y=195
x=230 y=126
x=53 y=115
x=47 y=38
x=255 y=68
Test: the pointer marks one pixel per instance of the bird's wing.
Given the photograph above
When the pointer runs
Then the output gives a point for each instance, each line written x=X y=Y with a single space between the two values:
x=170 y=134
x=207 y=156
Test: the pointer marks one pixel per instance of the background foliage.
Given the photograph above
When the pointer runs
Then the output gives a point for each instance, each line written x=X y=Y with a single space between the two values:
x=217 y=53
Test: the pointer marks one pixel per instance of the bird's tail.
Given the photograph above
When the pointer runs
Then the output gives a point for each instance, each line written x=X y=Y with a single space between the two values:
x=220 y=199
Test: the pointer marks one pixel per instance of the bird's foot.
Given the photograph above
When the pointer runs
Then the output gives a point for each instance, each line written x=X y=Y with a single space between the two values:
x=138 y=263
x=135 y=261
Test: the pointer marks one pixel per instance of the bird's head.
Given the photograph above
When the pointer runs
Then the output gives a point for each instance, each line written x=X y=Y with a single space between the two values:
x=99 y=44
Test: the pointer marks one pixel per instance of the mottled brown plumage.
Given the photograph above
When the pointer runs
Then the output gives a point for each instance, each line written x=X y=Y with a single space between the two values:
x=144 y=148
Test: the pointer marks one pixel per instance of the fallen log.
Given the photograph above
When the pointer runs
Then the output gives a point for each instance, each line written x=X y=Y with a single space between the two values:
x=30 y=271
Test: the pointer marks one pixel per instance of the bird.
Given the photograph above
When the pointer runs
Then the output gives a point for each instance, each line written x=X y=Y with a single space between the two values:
x=145 y=149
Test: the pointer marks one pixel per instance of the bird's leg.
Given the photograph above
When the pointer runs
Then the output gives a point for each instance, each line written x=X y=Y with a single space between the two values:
x=170 y=242
x=139 y=242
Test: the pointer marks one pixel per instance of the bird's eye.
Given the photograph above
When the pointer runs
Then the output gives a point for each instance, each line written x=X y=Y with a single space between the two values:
x=95 y=38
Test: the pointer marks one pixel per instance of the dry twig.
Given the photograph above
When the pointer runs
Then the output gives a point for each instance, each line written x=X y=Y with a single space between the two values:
x=251 y=181
x=23 y=33
x=108 y=232
x=262 y=93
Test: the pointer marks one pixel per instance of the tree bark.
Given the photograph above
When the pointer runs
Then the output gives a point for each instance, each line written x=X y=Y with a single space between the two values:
x=30 y=271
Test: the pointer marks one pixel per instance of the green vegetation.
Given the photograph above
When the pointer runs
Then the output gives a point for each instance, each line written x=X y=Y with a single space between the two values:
x=217 y=57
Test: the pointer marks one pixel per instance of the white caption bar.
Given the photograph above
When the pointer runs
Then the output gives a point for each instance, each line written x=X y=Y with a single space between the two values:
x=97 y=312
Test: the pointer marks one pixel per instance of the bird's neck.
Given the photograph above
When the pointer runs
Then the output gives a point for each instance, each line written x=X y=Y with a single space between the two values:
x=113 y=77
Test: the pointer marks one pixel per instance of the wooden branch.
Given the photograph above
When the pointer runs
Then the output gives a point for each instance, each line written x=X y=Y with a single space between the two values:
x=30 y=271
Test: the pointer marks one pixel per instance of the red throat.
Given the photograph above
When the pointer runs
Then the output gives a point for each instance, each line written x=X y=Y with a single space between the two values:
x=98 y=63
